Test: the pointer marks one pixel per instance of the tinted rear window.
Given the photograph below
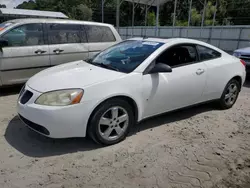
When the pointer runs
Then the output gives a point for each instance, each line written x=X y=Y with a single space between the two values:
x=99 y=34
x=207 y=53
x=64 y=33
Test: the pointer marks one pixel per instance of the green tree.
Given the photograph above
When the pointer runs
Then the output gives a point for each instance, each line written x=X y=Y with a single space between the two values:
x=28 y=5
x=195 y=17
x=75 y=9
x=2 y=6
x=227 y=11
x=151 y=19
x=82 y=12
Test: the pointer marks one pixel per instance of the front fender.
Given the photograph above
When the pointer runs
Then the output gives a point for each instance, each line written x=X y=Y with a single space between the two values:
x=128 y=86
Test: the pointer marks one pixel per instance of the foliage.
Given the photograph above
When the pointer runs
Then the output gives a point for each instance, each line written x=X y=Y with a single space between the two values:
x=75 y=9
x=151 y=19
x=195 y=17
x=181 y=23
x=2 y=6
x=82 y=12
x=227 y=11
x=182 y=16
x=28 y=5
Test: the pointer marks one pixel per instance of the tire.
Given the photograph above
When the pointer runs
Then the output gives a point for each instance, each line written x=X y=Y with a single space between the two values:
x=104 y=125
x=225 y=102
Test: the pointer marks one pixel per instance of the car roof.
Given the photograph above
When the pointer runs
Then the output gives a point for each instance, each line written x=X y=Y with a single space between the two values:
x=168 y=40
x=51 y=20
x=173 y=41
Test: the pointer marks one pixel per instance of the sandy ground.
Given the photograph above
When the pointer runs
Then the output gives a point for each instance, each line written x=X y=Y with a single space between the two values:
x=197 y=147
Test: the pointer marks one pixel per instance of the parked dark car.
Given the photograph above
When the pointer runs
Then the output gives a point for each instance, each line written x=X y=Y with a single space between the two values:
x=244 y=54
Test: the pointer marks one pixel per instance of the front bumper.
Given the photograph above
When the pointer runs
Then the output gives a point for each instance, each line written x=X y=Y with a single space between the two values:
x=54 y=122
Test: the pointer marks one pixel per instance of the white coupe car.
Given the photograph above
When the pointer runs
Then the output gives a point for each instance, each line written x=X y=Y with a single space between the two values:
x=133 y=80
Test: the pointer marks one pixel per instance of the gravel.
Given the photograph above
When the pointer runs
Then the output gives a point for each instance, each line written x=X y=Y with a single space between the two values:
x=196 y=147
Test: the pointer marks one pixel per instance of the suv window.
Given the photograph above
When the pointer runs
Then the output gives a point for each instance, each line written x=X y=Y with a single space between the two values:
x=25 y=35
x=207 y=53
x=99 y=34
x=65 y=33
x=178 y=55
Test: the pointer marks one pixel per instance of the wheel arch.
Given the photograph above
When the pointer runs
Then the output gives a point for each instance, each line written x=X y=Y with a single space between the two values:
x=235 y=77
x=126 y=98
x=239 y=79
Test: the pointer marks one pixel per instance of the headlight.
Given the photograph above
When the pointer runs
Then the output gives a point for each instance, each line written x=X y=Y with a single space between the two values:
x=60 y=97
x=236 y=54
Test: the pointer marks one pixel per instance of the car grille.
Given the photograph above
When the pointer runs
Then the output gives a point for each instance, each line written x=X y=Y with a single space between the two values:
x=35 y=126
x=26 y=97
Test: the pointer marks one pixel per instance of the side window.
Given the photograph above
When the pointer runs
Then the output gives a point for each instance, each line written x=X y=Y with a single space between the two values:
x=207 y=53
x=25 y=35
x=99 y=34
x=64 y=33
x=178 y=56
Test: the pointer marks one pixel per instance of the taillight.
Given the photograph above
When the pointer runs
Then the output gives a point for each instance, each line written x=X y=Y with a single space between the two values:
x=243 y=62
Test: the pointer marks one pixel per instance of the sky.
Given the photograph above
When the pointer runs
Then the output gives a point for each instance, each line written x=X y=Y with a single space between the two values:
x=11 y=3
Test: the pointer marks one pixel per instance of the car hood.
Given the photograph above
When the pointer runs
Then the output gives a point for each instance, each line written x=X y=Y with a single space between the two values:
x=78 y=74
x=245 y=51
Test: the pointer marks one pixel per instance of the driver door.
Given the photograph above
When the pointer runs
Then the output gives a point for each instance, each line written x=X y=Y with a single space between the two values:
x=182 y=87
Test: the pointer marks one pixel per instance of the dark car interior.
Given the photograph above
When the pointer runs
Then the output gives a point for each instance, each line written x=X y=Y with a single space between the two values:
x=178 y=55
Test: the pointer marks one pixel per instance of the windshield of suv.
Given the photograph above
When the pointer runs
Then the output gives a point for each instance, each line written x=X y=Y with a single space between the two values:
x=5 y=25
x=125 y=56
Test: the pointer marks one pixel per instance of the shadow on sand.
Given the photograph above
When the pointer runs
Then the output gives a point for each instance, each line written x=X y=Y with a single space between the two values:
x=11 y=90
x=32 y=144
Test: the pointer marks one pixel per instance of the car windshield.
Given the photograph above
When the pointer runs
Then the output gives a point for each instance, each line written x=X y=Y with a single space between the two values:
x=4 y=25
x=125 y=56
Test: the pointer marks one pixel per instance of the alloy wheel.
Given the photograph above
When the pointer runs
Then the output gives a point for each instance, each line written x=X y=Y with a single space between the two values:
x=231 y=94
x=113 y=123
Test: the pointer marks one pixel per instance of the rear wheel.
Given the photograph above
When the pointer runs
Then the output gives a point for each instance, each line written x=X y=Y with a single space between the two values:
x=230 y=94
x=111 y=121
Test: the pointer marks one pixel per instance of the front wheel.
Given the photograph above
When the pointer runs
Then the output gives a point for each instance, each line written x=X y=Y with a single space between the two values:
x=230 y=94
x=111 y=121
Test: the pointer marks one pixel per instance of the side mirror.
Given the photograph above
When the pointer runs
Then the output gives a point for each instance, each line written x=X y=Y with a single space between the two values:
x=160 y=67
x=3 y=43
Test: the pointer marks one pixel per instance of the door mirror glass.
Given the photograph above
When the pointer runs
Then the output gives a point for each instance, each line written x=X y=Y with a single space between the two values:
x=160 y=67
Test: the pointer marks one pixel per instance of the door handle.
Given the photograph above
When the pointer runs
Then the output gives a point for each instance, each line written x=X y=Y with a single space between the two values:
x=39 y=52
x=58 y=51
x=200 y=71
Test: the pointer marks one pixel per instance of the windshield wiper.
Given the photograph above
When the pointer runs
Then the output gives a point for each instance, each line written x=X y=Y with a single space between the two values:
x=107 y=66
x=89 y=60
